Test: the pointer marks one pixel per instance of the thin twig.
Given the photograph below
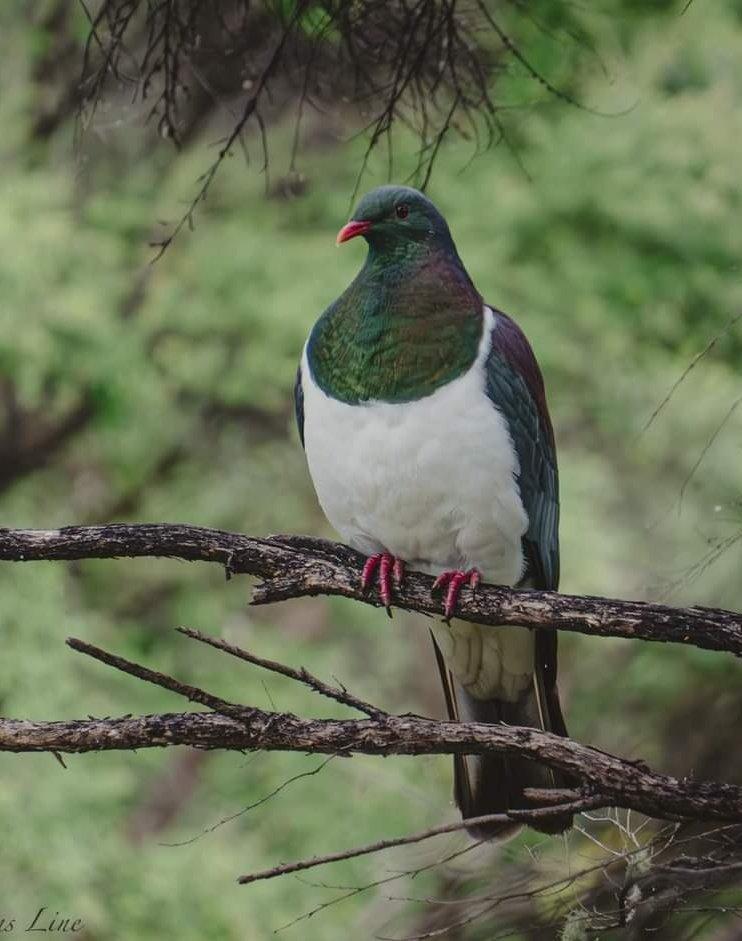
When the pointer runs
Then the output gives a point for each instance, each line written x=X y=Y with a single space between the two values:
x=254 y=805
x=352 y=891
x=376 y=847
x=191 y=693
x=691 y=365
x=706 y=448
x=301 y=676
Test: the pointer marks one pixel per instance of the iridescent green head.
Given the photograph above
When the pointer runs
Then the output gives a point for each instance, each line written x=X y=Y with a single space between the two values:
x=411 y=320
x=397 y=219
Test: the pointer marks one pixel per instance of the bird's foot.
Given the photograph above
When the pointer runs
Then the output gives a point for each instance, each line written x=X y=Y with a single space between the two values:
x=452 y=581
x=391 y=571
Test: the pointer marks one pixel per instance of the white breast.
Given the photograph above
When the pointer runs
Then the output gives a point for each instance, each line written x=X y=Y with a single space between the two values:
x=431 y=481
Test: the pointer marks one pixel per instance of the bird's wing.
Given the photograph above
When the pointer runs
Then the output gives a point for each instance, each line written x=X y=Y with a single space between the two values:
x=515 y=386
x=299 y=404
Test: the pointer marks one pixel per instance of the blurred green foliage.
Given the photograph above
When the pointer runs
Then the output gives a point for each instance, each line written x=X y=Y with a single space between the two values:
x=614 y=238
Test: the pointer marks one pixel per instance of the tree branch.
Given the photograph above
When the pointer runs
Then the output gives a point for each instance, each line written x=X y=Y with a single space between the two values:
x=292 y=566
x=609 y=779
x=301 y=676
x=296 y=566
x=605 y=779
x=286 y=868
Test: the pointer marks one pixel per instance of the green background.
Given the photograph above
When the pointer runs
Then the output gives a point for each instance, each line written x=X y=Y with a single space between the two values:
x=614 y=238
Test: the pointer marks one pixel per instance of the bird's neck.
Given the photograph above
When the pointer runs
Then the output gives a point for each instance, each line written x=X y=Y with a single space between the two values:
x=409 y=323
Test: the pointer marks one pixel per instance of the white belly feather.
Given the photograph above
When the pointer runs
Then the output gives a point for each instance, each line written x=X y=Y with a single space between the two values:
x=432 y=482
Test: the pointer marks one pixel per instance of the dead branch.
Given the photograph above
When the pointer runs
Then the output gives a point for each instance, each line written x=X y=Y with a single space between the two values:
x=302 y=864
x=301 y=676
x=427 y=65
x=606 y=780
x=296 y=566
x=292 y=566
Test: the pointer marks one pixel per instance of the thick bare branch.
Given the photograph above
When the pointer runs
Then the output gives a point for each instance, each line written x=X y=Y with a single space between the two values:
x=615 y=781
x=295 y=566
x=292 y=566
x=605 y=779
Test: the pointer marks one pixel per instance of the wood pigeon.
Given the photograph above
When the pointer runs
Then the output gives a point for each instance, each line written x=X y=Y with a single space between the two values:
x=423 y=417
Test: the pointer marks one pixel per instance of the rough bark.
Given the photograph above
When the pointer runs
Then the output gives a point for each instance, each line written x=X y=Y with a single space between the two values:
x=292 y=566
x=614 y=781
x=295 y=566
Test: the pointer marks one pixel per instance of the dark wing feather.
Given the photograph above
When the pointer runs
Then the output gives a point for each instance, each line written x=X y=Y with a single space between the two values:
x=515 y=386
x=299 y=404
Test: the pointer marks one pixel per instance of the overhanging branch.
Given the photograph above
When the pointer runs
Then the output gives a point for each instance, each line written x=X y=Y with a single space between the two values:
x=296 y=566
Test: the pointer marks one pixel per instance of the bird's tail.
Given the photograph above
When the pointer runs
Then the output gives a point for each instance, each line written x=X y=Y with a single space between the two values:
x=491 y=784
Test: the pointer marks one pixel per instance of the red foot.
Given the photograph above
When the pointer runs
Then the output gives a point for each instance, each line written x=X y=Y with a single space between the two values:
x=452 y=581
x=391 y=569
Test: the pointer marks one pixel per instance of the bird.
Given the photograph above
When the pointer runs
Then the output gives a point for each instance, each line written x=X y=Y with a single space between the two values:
x=423 y=417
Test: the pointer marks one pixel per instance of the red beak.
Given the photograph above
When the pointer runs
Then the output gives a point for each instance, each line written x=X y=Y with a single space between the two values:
x=352 y=229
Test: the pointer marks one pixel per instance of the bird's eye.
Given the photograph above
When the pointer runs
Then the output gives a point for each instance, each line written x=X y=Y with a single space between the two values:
x=402 y=211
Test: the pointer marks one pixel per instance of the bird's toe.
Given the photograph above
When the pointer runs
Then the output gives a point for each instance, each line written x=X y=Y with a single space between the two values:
x=391 y=571
x=452 y=581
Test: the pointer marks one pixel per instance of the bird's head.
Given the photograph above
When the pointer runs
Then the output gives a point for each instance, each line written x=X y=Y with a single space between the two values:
x=394 y=218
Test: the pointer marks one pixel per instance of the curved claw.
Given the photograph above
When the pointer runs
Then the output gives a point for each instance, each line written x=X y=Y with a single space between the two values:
x=452 y=581
x=391 y=570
